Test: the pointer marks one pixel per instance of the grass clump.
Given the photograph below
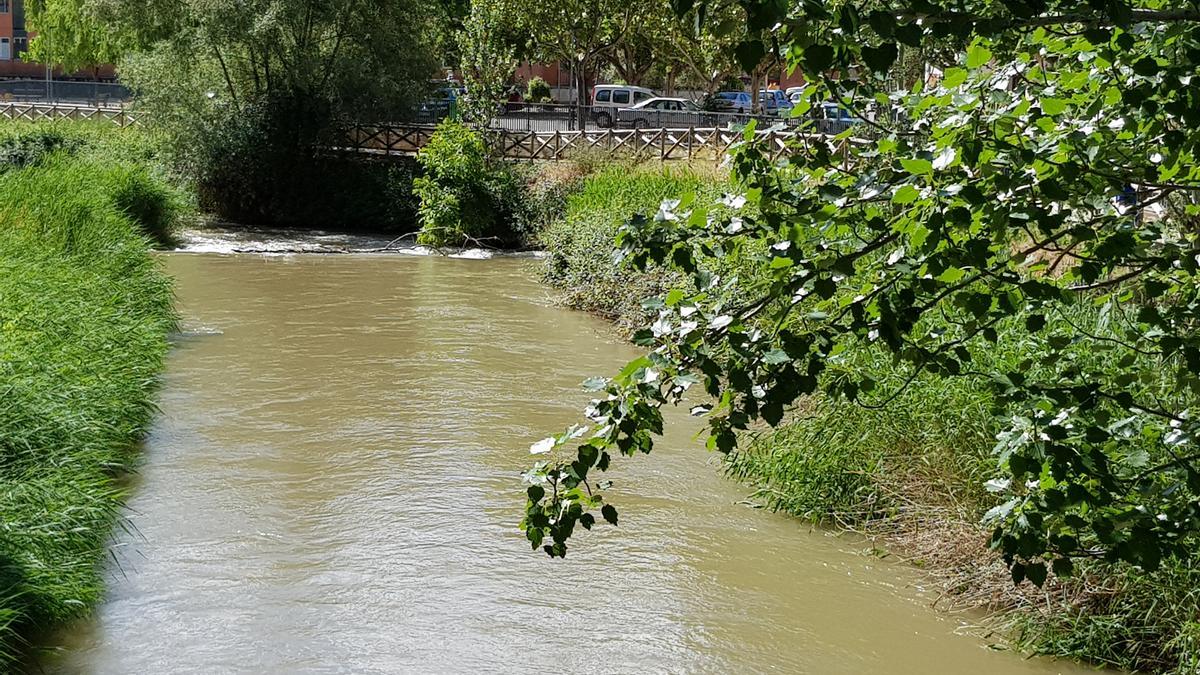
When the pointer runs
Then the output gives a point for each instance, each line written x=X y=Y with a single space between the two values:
x=913 y=474
x=127 y=164
x=84 y=315
x=579 y=243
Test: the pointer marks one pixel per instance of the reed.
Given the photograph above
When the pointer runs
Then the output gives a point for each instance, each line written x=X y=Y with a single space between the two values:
x=84 y=316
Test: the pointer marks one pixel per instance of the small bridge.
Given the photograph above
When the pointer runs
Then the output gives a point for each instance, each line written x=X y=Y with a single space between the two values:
x=406 y=140
x=399 y=140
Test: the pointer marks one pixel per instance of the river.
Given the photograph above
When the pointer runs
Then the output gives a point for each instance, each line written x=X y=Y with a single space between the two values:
x=333 y=487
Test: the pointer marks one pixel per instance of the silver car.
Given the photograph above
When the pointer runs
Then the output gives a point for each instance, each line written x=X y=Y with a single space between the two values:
x=663 y=112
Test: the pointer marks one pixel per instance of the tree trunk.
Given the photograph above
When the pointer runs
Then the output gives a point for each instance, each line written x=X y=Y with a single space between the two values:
x=755 y=82
x=581 y=97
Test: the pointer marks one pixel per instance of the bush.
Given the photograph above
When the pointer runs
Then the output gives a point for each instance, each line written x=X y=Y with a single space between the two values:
x=537 y=91
x=261 y=165
x=26 y=146
x=580 y=242
x=465 y=197
x=86 y=314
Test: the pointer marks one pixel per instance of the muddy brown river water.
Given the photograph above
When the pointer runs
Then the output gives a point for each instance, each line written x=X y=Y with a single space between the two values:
x=333 y=487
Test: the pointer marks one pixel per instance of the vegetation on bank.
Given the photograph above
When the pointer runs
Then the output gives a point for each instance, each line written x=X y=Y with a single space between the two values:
x=84 y=317
x=914 y=474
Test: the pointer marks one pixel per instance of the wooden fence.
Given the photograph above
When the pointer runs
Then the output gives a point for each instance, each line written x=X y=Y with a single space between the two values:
x=397 y=140
x=36 y=112
x=662 y=144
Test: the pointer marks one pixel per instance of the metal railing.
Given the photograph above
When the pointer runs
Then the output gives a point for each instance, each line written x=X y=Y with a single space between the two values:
x=64 y=91
x=545 y=117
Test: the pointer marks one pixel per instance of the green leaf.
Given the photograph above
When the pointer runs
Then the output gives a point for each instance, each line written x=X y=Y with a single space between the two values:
x=1036 y=572
x=917 y=166
x=881 y=58
x=954 y=77
x=977 y=56
x=818 y=58
x=775 y=357
x=907 y=194
x=884 y=23
x=749 y=53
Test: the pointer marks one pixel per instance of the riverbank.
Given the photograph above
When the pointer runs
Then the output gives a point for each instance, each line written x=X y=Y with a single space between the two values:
x=910 y=476
x=84 y=317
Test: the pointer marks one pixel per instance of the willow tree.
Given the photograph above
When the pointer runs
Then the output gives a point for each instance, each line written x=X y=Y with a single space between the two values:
x=1046 y=185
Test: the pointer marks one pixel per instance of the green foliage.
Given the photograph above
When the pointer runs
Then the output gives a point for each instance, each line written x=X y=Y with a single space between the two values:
x=537 y=91
x=487 y=60
x=998 y=195
x=149 y=203
x=84 y=313
x=133 y=176
x=579 y=242
x=19 y=150
x=250 y=169
x=1143 y=621
x=70 y=34
x=466 y=198
x=249 y=96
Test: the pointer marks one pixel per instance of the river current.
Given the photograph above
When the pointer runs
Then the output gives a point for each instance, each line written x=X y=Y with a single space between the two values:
x=333 y=487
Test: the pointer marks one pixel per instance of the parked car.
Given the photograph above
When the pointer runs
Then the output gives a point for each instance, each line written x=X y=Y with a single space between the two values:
x=774 y=101
x=662 y=112
x=607 y=99
x=739 y=101
x=834 y=119
x=443 y=103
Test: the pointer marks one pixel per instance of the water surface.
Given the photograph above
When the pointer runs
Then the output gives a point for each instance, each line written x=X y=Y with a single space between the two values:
x=332 y=487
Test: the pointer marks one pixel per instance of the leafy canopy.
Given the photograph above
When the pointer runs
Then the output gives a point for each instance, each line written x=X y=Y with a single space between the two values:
x=1049 y=169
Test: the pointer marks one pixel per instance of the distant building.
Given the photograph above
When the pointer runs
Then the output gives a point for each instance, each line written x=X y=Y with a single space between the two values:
x=14 y=43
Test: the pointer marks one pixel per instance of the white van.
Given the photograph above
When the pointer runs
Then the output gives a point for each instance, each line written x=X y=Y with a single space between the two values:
x=608 y=98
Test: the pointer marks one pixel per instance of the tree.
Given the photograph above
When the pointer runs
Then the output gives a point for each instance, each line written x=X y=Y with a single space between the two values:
x=1045 y=187
x=705 y=47
x=488 y=59
x=69 y=35
x=249 y=91
x=574 y=31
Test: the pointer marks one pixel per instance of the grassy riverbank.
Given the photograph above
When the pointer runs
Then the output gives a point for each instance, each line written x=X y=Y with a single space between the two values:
x=911 y=475
x=84 y=316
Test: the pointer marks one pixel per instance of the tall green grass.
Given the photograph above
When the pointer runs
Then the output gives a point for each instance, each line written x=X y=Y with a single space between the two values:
x=916 y=469
x=580 y=243
x=135 y=175
x=84 y=315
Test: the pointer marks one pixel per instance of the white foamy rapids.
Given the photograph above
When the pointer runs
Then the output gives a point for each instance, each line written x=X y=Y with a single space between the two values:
x=270 y=242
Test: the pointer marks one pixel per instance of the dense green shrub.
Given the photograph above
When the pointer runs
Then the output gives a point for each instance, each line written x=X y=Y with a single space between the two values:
x=579 y=244
x=466 y=197
x=85 y=313
x=537 y=91
x=24 y=146
x=261 y=165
